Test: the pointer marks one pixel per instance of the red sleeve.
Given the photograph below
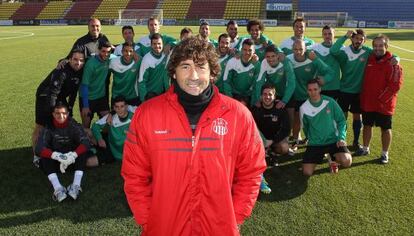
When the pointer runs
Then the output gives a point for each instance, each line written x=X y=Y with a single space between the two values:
x=136 y=171
x=46 y=153
x=250 y=165
x=394 y=82
x=81 y=149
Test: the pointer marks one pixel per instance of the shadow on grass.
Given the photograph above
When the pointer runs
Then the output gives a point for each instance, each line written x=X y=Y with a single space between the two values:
x=396 y=35
x=285 y=180
x=26 y=193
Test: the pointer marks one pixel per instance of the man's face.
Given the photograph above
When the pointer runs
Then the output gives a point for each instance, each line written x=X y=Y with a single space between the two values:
x=204 y=31
x=94 y=28
x=271 y=58
x=104 y=53
x=127 y=53
x=299 y=50
x=60 y=115
x=121 y=108
x=185 y=36
x=255 y=31
x=357 y=41
x=268 y=97
x=192 y=77
x=328 y=36
x=314 y=92
x=232 y=30
x=156 y=45
x=299 y=29
x=128 y=35
x=77 y=61
x=379 y=46
x=153 y=26
x=247 y=52
x=224 y=45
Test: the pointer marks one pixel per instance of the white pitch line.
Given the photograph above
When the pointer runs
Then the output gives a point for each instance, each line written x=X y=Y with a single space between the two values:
x=406 y=59
x=28 y=34
x=403 y=49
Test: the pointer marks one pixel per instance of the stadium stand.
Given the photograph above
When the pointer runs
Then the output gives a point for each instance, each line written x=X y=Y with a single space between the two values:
x=379 y=10
x=54 y=10
x=142 y=4
x=175 y=9
x=29 y=11
x=82 y=9
x=109 y=9
x=8 y=9
x=213 y=9
x=242 y=9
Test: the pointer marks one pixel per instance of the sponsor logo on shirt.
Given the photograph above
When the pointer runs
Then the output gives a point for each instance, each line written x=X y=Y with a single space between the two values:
x=219 y=126
x=308 y=69
x=161 y=131
x=328 y=110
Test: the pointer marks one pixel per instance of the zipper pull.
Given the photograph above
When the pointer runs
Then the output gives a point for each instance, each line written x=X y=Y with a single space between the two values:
x=192 y=141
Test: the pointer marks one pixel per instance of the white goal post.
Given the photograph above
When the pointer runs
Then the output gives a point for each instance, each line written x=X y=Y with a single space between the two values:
x=138 y=16
x=323 y=18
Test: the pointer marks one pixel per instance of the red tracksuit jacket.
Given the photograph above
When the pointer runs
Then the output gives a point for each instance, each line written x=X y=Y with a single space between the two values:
x=381 y=83
x=178 y=183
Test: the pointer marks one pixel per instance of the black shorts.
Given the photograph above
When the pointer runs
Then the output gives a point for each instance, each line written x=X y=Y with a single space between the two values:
x=97 y=105
x=349 y=102
x=290 y=104
x=298 y=104
x=331 y=93
x=43 y=111
x=315 y=154
x=377 y=119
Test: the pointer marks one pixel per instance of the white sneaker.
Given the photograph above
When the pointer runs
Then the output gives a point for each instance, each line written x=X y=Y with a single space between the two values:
x=73 y=191
x=60 y=194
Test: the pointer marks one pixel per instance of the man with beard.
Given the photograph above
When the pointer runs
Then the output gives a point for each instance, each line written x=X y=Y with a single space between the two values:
x=224 y=53
x=128 y=35
x=232 y=31
x=153 y=79
x=204 y=33
x=382 y=81
x=241 y=74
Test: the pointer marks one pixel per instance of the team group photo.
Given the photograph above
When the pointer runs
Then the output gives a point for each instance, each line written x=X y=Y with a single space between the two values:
x=212 y=117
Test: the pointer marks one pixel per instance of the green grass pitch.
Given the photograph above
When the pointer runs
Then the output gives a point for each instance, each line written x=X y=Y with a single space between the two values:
x=366 y=199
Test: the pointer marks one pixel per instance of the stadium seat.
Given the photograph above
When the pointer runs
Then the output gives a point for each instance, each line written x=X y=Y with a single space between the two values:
x=54 y=10
x=176 y=9
x=212 y=9
x=242 y=9
x=28 y=11
x=82 y=9
x=8 y=9
x=108 y=9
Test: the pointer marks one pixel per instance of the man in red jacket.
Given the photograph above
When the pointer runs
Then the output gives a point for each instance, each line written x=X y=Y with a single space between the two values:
x=193 y=158
x=381 y=84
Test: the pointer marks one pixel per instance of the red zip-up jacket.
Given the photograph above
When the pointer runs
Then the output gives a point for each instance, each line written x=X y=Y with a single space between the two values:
x=381 y=84
x=178 y=183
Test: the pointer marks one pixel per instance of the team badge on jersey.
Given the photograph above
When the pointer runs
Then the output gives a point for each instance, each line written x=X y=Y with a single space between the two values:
x=251 y=73
x=220 y=126
x=328 y=110
x=362 y=59
x=308 y=69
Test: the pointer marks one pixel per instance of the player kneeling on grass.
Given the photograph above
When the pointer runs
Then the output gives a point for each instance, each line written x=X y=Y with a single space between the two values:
x=116 y=135
x=324 y=125
x=62 y=144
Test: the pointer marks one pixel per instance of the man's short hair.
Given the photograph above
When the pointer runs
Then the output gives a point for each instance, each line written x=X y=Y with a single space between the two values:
x=197 y=50
x=255 y=22
x=314 y=81
x=248 y=42
x=186 y=30
x=299 y=19
x=151 y=19
x=127 y=44
x=267 y=86
x=127 y=27
x=104 y=44
x=60 y=105
x=93 y=19
x=327 y=27
x=224 y=35
x=231 y=22
x=204 y=23
x=360 y=32
x=76 y=50
x=119 y=98
x=383 y=37
x=155 y=36
x=271 y=48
